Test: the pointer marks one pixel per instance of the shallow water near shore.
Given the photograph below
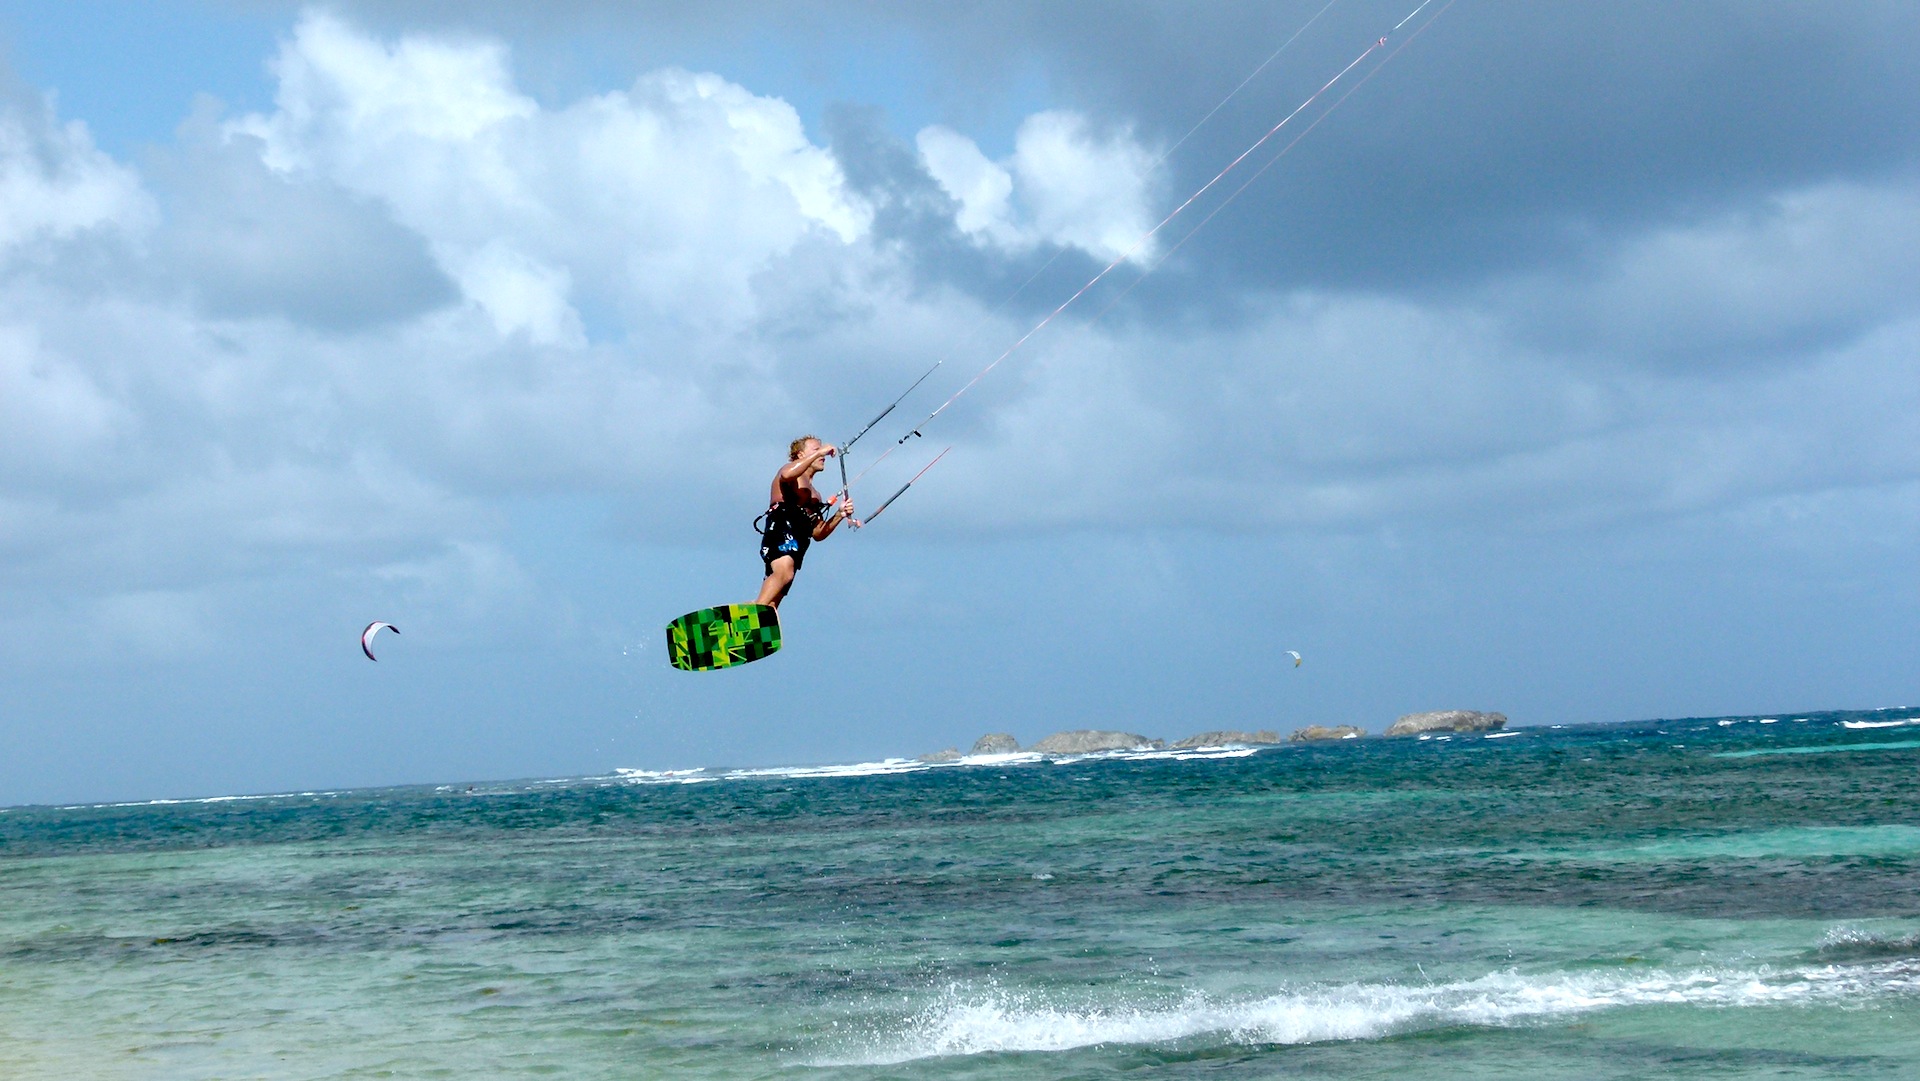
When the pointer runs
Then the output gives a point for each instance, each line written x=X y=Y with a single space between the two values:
x=1698 y=898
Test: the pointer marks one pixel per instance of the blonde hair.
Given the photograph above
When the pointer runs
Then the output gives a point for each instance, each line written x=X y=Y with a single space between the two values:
x=799 y=445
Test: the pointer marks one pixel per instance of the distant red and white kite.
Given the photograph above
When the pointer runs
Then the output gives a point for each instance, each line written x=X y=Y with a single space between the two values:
x=366 y=637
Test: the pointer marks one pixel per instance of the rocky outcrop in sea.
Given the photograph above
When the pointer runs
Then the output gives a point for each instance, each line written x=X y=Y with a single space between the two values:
x=1224 y=738
x=1089 y=741
x=1094 y=741
x=1447 y=720
x=1314 y=733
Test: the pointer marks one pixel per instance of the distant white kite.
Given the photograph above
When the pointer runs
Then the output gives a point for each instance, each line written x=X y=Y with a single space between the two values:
x=366 y=637
x=1290 y=653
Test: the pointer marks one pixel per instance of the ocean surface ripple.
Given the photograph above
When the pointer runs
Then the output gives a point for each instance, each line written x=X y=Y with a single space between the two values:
x=1712 y=897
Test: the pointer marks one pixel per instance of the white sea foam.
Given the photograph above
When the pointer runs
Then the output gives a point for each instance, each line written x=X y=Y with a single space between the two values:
x=1160 y=754
x=696 y=775
x=187 y=802
x=970 y=1021
x=1194 y=753
x=1008 y=758
x=852 y=769
x=1501 y=735
x=888 y=766
x=1875 y=724
x=1845 y=938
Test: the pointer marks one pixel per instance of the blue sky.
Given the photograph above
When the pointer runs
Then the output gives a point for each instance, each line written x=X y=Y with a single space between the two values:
x=1567 y=369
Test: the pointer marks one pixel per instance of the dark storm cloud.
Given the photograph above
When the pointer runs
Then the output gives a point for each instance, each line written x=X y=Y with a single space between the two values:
x=1769 y=283
x=1503 y=134
x=1505 y=137
x=1504 y=112
x=909 y=208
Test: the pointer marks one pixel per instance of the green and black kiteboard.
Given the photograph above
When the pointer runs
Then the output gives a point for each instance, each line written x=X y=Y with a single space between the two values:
x=722 y=637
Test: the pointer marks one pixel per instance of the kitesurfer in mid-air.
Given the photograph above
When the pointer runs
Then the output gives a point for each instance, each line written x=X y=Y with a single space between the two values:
x=796 y=516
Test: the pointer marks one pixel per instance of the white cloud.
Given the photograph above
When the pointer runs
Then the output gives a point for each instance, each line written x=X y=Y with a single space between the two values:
x=166 y=624
x=244 y=241
x=54 y=183
x=644 y=290
x=55 y=419
x=983 y=189
x=520 y=295
x=661 y=202
x=1771 y=280
x=460 y=586
x=288 y=402
x=1085 y=190
x=347 y=100
x=1350 y=412
x=1071 y=186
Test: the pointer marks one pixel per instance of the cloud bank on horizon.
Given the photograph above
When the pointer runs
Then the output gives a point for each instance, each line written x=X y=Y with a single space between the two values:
x=1548 y=271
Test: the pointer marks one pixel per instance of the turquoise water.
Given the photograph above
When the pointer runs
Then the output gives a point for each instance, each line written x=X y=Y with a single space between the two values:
x=1600 y=902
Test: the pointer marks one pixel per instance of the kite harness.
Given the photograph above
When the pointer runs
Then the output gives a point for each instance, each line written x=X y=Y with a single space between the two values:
x=786 y=526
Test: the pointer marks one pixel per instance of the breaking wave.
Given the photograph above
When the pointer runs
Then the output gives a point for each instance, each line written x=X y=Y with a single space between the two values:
x=1852 y=944
x=971 y=1021
x=888 y=766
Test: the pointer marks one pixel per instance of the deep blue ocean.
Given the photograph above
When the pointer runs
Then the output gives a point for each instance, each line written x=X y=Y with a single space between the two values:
x=1706 y=898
